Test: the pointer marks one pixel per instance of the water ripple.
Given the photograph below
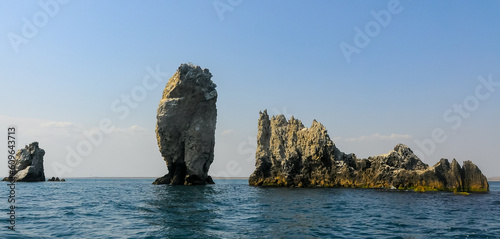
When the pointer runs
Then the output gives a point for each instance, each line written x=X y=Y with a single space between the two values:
x=133 y=208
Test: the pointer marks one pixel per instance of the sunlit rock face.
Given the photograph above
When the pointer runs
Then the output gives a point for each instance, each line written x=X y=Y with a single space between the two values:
x=289 y=154
x=185 y=128
x=29 y=164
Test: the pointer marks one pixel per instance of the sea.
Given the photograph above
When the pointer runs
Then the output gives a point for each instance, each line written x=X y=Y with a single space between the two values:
x=134 y=208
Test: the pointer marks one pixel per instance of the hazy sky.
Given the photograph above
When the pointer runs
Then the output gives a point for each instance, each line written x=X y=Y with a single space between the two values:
x=375 y=73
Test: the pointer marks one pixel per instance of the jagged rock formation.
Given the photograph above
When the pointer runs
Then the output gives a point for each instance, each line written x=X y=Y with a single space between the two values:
x=185 y=128
x=29 y=164
x=288 y=154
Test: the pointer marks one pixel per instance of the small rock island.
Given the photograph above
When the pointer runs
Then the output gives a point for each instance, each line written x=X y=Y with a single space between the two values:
x=28 y=166
x=56 y=179
x=289 y=154
x=185 y=128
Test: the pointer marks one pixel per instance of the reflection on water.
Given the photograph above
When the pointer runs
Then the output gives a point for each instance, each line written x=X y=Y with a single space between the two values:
x=296 y=211
x=182 y=210
x=224 y=210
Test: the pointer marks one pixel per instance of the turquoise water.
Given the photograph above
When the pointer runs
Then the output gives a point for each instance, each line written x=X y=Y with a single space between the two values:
x=134 y=208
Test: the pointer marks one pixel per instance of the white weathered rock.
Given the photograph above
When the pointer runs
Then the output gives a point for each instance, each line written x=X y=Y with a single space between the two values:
x=29 y=164
x=185 y=128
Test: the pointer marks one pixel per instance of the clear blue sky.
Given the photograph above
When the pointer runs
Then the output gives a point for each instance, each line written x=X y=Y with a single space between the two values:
x=284 y=56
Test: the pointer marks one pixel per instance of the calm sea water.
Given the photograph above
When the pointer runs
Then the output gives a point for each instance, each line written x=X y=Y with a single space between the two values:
x=134 y=208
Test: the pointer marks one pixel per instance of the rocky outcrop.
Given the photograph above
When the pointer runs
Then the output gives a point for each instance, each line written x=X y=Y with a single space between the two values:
x=185 y=128
x=473 y=178
x=56 y=179
x=289 y=154
x=29 y=164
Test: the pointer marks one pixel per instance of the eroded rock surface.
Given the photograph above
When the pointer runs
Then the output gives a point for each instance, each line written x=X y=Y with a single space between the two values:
x=289 y=154
x=29 y=164
x=185 y=128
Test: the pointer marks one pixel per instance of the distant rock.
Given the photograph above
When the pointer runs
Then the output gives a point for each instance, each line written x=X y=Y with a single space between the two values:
x=29 y=164
x=56 y=179
x=289 y=154
x=185 y=128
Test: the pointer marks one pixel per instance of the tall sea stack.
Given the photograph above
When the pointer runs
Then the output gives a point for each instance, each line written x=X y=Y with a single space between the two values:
x=185 y=128
x=28 y=166
x=289 y=154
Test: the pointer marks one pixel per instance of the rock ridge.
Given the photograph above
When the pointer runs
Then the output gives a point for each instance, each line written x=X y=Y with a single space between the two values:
x=289 y=154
